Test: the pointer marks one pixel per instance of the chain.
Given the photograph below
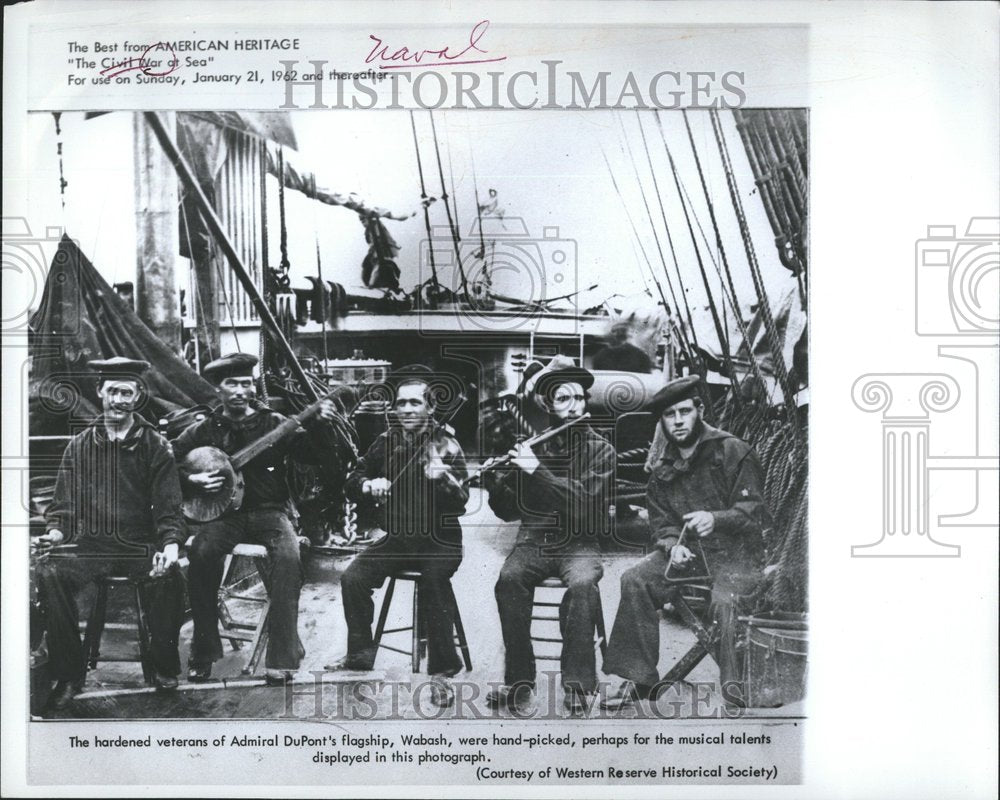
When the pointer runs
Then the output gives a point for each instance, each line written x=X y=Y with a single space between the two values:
x=350 y=521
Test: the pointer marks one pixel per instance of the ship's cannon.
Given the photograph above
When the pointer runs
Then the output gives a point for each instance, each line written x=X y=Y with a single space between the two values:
x=616 y=393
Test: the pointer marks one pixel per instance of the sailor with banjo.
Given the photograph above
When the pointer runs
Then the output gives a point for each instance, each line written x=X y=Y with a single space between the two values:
x=226 y=508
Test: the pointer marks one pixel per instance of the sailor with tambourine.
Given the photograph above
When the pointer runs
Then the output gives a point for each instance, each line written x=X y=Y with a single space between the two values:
x=115 y=512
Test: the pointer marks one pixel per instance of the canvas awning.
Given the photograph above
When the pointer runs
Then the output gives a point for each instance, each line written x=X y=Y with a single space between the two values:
x=81 y=318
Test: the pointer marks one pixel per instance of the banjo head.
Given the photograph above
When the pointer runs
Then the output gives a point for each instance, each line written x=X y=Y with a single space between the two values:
x=199 y=506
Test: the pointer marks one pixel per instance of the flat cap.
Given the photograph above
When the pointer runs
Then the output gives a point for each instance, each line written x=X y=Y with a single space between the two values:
x=679 y=389
x=231 y=366
x=118 y=368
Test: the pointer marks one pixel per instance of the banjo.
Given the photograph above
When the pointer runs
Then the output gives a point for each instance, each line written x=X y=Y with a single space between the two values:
x=201 y=506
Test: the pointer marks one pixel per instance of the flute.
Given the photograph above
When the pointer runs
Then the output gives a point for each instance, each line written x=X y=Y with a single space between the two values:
x=538 y=438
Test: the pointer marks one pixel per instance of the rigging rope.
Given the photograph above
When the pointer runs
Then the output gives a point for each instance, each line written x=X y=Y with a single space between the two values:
x=262 y=340
x=285 y=265
x=791 y=154
x=666 y=227
x=451 y=176
x=723 y=341
x=744 y=331
x=425 y=202
x=635 y=233
x=656 y=237
x=322 y=294
x=670 y=239
x=756 y=136
x=777 y=355
x=479 y=210
x=682 y=336
x=649 y=216
x=487 y=284
x=642 y=274
x=451 y=224
x=715 y=225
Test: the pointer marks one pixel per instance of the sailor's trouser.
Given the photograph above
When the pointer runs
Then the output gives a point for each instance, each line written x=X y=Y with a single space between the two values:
x=213 y=541
x=527 y=566
x=634 y=645
x=62 y=582
x=369 y=570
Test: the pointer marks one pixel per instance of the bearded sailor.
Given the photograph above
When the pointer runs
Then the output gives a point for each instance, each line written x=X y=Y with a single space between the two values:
x=707 y=487
x=561 y=494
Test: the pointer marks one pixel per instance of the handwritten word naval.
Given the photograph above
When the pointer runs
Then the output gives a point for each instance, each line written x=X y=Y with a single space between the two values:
x=443 y=57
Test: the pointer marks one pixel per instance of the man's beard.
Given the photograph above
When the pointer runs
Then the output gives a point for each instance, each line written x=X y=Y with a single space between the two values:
x=691 y=438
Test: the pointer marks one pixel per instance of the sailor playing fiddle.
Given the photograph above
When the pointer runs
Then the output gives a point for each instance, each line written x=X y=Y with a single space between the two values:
x=414 y=473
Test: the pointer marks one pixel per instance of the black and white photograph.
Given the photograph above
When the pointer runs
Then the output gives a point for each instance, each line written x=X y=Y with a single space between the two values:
x=435 y=409
x=600 y=418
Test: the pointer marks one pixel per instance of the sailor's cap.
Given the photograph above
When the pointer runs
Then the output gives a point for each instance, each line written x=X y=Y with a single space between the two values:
x=685 y=388
x=230 y=366
x=411 y=373
x=118 y=368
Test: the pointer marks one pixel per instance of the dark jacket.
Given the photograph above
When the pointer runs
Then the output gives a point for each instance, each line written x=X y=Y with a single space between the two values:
x=421 y=512
x=264 y=478
x=724 y=476
x=110 y=494
x=565 y=501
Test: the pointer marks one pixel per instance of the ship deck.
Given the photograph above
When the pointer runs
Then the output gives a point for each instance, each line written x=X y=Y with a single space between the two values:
x=114 y=690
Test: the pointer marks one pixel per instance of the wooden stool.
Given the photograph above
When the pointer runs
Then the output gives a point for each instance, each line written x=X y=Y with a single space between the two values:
x=557 y=583
x=418 y=644
x=686 y=596
x=240 y=631
x=96 y=624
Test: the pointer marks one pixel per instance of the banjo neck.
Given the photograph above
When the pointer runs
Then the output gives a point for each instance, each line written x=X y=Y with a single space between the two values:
x=241 y=457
